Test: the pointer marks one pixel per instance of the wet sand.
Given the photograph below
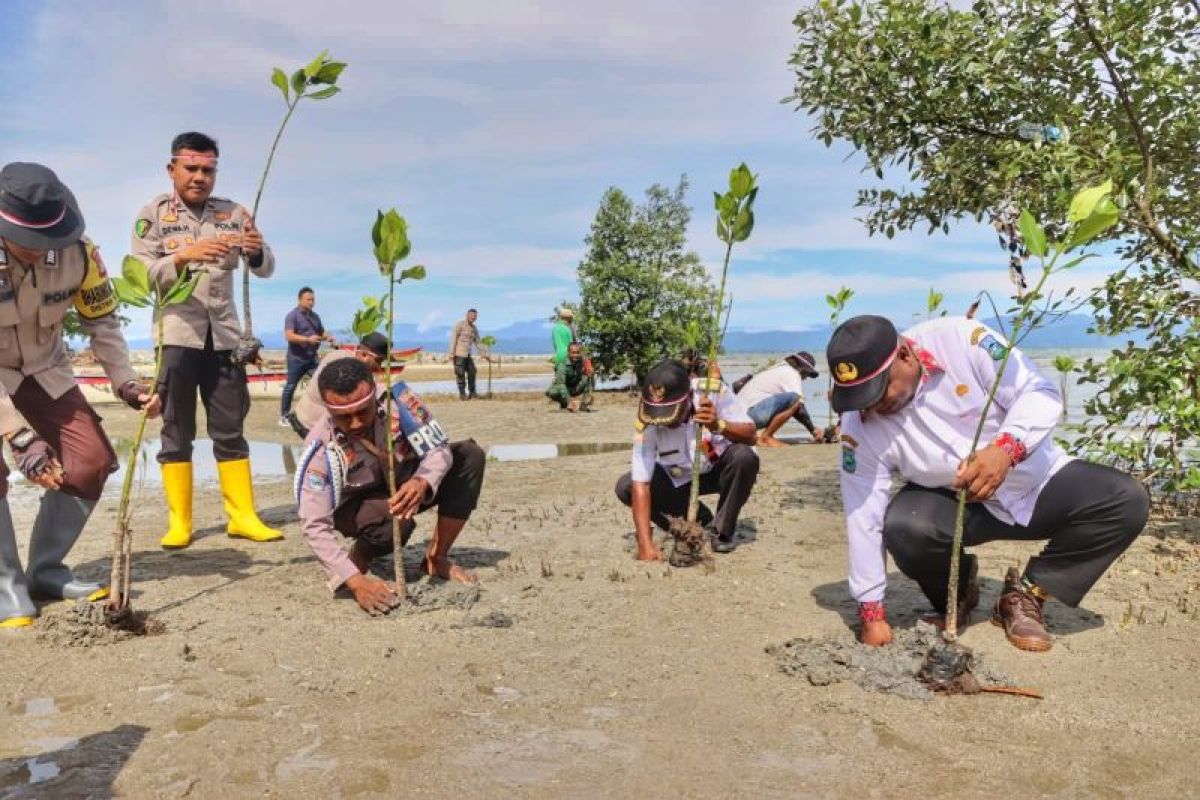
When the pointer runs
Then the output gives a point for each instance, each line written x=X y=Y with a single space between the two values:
x=577 y=671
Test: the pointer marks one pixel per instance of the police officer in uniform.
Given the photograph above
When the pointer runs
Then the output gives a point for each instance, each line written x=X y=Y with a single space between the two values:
x=671 y=414
x=48 y=268
x=189 y=230
x=341 y=483
x=910 y=407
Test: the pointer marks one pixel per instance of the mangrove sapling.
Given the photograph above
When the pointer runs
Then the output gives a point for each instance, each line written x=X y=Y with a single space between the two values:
x=837 y=304
x=1091 y=213
x=488 y=343
x=390 y=236
x=1065 y=366
x=320 y=72
x=135 y=288
x=735 y=221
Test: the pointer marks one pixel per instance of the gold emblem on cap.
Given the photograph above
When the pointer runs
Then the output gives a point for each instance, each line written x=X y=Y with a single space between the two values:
x=657 y=393
x=845 y=372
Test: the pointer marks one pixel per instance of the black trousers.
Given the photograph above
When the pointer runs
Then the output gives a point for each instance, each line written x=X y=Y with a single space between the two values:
x=222 y=388
x=464 y=373
x=732 y=477
x=1089 y=513
x=367 y=520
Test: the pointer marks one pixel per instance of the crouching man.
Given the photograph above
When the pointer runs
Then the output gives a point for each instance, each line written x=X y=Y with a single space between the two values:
x=48 y=267
x=910 y=406
x=671 y=415
x=341 y=483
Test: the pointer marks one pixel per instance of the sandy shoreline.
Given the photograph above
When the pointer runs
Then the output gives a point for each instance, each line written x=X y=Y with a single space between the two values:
x=579 y=672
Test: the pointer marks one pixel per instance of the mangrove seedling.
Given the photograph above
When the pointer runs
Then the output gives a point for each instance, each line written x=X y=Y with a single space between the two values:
x=1091 y=212
x=390 y=236
x=735 y=221
x=488 y=343
x=837 y=304
x=135 y=288
x=1065 y=366
x=316 y=80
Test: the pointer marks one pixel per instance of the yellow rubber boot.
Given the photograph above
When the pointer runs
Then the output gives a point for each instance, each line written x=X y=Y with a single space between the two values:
x=177 y=486
x=238 y=493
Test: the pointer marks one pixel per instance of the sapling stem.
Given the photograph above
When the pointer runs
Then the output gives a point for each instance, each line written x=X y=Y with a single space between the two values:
x=950 y=633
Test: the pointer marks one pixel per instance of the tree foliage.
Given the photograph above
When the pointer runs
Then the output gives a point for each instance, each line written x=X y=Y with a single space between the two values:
x=641 y=291
x=961 y=112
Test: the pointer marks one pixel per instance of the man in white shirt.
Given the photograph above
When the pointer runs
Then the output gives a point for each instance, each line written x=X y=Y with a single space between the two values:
x=910 y=406
x=775 y=395
x=670 y=415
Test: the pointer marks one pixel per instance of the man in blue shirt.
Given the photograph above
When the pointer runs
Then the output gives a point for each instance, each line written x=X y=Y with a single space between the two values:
x=304 y=332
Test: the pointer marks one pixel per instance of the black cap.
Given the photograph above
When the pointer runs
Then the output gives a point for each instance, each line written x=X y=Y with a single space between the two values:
x=665 y=394
x=376 y=342
x=860 y=356
x=804 y=361
x=37 y=210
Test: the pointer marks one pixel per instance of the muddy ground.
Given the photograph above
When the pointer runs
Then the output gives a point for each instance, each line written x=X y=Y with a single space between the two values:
x=576 y=671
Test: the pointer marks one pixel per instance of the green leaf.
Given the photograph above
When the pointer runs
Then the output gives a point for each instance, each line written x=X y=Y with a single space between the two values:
x=741 y=181
x=129 y=294
x=136 y=273
x=1085 y=201
x=413 y=273
x=1104 y=215
x=182 y=289
x=1031 y=231
x=299 y=81
x=323 y=94
x=329 y=73
x=722 y=230
x=743 y=225
x=280 y=80
x=315 y=65
x=392 y=244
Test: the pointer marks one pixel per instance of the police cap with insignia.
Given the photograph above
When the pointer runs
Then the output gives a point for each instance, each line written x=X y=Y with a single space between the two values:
x=860 y=355
x=37 y=210
x=666 y=393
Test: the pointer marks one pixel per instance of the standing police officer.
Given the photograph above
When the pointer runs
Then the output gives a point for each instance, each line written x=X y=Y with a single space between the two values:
x=189 y=230
x=46 y=269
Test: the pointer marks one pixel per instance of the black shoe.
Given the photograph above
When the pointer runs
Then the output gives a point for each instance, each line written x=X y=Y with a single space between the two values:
x=721 y=544
x=472 y=396
x=462 y=397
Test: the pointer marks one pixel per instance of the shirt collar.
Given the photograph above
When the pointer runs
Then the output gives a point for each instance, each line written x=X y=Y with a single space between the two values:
x=929 y=363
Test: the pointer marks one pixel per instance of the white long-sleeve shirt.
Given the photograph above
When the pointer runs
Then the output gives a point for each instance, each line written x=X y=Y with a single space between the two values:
x=673 y=448
x=925 y=442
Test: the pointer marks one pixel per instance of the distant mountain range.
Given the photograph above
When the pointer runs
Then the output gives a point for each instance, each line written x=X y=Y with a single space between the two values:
x=533 y=336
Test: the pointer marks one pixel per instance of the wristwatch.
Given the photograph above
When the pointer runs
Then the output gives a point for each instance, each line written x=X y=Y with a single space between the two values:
x=22 y=438
x=721 y=426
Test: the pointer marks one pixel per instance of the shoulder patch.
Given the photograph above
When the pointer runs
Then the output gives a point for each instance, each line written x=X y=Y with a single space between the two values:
x=849 y=459
x=993 y=347
x=977 y=334
x=639 y=426
x=95 y=298
x=849 y=440
x=142 y=227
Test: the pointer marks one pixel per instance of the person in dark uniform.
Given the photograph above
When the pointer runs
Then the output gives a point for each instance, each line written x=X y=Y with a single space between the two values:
x=189 y=230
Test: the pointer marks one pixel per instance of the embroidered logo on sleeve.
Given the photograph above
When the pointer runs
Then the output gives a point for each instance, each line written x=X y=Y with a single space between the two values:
x=993 y=347
x=141 y=228
x=849 y=459
x=95 y=298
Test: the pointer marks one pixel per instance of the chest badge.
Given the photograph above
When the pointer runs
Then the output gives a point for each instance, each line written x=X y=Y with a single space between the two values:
x=676 y=472
x=170 y=216
x=171 y=244
x=961 y=390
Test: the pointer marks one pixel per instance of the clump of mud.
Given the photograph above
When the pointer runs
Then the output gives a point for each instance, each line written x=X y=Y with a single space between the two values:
x=689 y=541
x=90 y=624
x=435 y=595
x=892 y=669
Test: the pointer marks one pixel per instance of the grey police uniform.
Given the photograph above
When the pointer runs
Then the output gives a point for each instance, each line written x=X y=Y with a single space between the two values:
x=200 y=333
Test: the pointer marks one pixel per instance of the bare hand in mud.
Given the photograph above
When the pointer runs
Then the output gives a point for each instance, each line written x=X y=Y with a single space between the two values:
x=372 y=595
x=705 y=413
x=205 y=251
x=876 y=633
x=983 y=473
x=649 y=553
x=407 y=499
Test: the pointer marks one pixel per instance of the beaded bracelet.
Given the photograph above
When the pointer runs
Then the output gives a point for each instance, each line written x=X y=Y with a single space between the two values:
x=871 y=611
x=1012 y=446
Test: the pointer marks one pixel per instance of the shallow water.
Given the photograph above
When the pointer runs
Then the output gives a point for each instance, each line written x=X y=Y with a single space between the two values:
x=537 y=452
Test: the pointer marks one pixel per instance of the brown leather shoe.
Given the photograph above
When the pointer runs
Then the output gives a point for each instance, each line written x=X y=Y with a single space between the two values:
x=1020 y=614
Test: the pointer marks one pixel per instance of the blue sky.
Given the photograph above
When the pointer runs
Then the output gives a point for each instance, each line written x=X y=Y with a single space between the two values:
x=494 y=127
